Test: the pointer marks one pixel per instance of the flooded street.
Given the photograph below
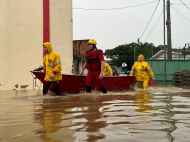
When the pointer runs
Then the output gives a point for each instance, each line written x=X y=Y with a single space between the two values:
x=159 y=114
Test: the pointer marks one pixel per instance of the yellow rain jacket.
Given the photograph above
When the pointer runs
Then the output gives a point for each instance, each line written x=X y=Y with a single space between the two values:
x=52 y=63
x=143 y=70
x=107 y=70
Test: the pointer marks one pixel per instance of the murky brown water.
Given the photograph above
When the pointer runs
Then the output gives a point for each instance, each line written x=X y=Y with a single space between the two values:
x=160 y=114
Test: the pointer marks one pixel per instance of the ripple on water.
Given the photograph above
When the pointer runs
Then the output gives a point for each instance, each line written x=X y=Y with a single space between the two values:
x=156 y=114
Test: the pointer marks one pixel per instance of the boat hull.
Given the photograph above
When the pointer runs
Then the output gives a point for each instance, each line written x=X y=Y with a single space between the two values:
x=76 y=83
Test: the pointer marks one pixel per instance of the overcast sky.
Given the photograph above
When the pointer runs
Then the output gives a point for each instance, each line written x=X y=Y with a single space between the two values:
x=112 y=22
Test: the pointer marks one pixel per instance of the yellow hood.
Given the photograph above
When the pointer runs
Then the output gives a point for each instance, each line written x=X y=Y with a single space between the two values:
x=49 y=47
x=142 y=57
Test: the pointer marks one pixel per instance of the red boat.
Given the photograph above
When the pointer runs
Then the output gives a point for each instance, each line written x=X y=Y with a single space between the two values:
x=76 y=83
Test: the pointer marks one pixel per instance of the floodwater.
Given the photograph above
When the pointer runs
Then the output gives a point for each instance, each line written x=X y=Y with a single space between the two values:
x=159 y=114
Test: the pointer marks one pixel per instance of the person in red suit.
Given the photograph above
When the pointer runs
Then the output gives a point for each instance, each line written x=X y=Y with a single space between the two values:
x=95 y=65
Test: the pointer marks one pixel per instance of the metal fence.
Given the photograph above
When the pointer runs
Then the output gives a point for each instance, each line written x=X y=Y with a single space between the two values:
x=171 y=67
x=158 y=54
x=180 y=61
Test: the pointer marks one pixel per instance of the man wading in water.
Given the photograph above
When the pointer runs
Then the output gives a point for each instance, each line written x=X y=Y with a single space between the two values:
x=52 y=65
x=95 y=65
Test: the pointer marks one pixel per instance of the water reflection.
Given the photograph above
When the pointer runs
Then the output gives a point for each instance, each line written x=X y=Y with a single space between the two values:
x=92 y=112
x=82 y=112
x=169 y=117
x=96 y=106
x=143 y=100
x=50 y=118
x=160 y=114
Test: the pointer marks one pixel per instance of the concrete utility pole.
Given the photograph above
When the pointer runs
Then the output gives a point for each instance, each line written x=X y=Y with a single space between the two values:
x=164 y=20
x=138 y=41
x=168 y=23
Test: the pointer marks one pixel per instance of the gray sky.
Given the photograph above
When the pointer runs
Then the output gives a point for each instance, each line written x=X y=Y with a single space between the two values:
x=123 y=25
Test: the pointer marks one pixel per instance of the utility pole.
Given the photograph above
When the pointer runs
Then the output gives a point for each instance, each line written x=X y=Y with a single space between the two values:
x=164 y=20
x=138 y=41
x=168 y=23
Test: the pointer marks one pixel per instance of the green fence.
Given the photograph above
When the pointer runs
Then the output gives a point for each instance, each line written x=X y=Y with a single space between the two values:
x=171 y=67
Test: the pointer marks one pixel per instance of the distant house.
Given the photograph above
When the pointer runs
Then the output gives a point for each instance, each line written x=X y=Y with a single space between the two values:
x=177 y=54
x=109 y=61
x=80 y=46
x=79 y=49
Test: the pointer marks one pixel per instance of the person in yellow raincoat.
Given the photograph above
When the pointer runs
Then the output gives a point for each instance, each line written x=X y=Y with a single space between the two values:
x=143 y=71
x=52 y=65
x=108 y=70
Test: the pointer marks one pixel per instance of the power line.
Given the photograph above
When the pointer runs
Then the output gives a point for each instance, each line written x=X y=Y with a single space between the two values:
x=156 y=23
x=160 y=36
x=185 y=4
x=154 y=26
x=118 y=8
x=181 y=14
x=179 y=4
x=150 y=19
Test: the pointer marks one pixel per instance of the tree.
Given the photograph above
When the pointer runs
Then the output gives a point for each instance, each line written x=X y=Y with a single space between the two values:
x=120 y=54
x=125 y=53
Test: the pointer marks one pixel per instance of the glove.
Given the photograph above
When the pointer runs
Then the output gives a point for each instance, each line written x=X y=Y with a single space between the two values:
x=38 y=69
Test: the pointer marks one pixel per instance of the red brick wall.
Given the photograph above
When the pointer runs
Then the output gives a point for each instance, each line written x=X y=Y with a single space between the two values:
x=83 y=46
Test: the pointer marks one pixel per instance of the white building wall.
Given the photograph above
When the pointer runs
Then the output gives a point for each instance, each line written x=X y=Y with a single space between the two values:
x=61 y=34
x=21 y=38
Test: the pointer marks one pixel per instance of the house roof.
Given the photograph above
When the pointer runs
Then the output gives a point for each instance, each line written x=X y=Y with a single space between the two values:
x=181 y=50
x=157 y=54
x=81 y=40
x=174 y=51
x=162 y=52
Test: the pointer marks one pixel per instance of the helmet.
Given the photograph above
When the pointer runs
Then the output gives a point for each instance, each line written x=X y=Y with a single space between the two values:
x=92 y=41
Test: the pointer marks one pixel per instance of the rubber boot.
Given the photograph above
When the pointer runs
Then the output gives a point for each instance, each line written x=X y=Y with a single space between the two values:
x=88 y=89
x=56 y=90
x=44 y=90
x=103 y=90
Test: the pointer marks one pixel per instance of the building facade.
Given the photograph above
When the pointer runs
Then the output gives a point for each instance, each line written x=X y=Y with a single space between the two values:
x=79 y=49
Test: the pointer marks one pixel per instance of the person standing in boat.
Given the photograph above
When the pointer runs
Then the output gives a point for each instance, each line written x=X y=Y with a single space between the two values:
x=95 y=65
x=108 y=70
x=143 y=71
x=52 y=65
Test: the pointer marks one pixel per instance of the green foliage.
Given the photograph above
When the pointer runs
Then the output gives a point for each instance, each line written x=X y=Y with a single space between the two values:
x=125 y=53
x=122 y=53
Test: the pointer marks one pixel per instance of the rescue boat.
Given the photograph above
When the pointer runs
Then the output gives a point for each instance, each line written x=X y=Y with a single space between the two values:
x=76 y=83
